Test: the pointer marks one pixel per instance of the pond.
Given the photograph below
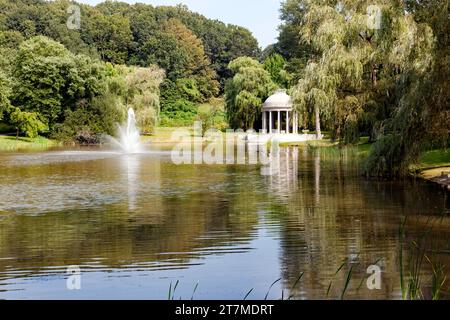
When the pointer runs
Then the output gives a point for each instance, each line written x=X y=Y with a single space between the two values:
x=137 y=225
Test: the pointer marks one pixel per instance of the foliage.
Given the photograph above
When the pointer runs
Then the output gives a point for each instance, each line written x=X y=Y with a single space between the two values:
x=9 y=42
x=176 y=49
x=181 y=112
x=246 y=91
x=125 y=87
x=142 y=94
x=421 y=117
x=49 y=79
x=110 y=35
x=290 y=44
x=46 y=78
x=222 y=42
x=276 y=65
x=212 y=116
x=88 y=121
x=27 y=122
x=5 y=93
x=120 y=33
x=75 y=96
x=387 y=82
x=193 y=50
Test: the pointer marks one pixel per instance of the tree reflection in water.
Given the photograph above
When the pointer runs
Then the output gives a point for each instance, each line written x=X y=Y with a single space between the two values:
x=230 y=227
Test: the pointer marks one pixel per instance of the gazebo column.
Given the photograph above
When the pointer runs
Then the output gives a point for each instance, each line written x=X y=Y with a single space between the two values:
x=279 y=121
x=270 y=122
x=295 y=122
x=287 y=121
x=264 y=122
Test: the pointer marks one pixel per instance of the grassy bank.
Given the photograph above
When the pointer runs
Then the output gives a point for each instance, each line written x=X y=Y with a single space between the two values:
x=10 y=143
x=434 y=159
x=432 y=165
x=430 y=161
x=361 y=149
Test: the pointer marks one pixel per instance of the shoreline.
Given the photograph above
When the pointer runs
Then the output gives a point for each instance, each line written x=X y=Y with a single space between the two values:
x=435 y=172
x=439 y=175
x=9 y=143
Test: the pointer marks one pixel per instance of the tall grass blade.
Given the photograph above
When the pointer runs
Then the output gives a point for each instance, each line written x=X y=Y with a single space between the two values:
x=329 y=288
x=340 y=268
x=170 y=291
x=268 y=291
x=193 y=293
x=248 y=293
x=361 y=283
x=401 y=235
x=347 y=282
x=295 y=284
x=174 y=289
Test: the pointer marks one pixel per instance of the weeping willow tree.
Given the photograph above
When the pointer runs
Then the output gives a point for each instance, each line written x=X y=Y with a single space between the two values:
x=421 y=118
x=142 y=93
x=246 y=91
x=368 y=76
x=314 y=94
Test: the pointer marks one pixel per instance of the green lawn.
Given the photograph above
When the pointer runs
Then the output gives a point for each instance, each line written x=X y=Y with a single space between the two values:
x=9 y=143
x=362 y=148
x=428 y=160
x=435 y=159
x=434 y=163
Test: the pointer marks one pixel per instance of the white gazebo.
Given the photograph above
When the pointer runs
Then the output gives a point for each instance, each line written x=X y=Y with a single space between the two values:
x=279 y=106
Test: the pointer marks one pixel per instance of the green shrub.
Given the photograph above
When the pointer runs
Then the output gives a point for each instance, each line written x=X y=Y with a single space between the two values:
x=90 y=119
x=181 y=113
x=212 y=116
x=27 y=123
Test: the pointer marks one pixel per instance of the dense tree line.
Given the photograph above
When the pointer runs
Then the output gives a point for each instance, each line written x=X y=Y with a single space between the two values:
x=48 y=89
x=120 y=33
x=193 y=51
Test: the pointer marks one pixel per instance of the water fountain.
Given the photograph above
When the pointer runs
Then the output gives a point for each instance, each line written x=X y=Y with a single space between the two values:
x=129 y=137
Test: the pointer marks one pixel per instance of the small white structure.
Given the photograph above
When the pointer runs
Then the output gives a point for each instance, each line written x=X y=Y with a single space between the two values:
x=279 y=105
x=277 y=110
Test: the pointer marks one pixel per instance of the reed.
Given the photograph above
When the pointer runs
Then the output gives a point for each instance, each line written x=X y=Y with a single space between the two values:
x=268 y=291
x=193 y=293
x=411 y=281
x=248 y=293
x=331 y=282
x=172 y=291
x=293 y=287
x=347 y=282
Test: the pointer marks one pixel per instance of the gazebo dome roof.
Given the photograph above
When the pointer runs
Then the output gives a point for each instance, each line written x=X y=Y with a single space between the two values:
x=279 y=100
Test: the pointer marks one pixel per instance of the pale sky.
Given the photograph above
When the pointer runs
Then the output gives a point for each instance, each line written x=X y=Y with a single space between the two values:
x=261 y=17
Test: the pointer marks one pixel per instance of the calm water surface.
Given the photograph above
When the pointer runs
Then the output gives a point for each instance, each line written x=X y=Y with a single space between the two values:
x=137 y=223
